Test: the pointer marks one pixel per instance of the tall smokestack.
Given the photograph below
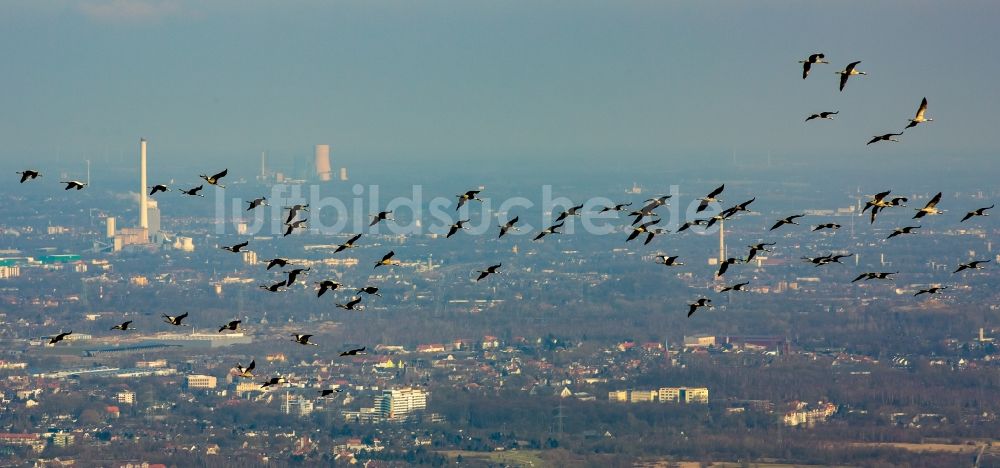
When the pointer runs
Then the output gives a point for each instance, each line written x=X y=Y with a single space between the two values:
x=143 y=200
x=722 y=241
x=323 y=163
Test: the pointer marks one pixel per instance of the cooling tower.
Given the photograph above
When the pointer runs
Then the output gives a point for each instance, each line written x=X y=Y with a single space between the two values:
x=323 y=162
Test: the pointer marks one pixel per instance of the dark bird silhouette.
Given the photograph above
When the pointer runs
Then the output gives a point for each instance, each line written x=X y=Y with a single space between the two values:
x=735 y=287
x=380 y=216
x=235 y=248
x=293 y=274
x=488 y=271
x=875 y=211
x=470 y=195
x=650 y=234
x=687 y=224
x=73 y=184
x=719 y=217
x=274 y=287
x=654 y=203
x=702 y=302
x=572 y=211
x=831 y=226
x=874 y=275
x=370 y=290
x=724 y=265
x=246 y=372
x=933 y=290
x=387 y=260
x=256 y=202
x=818 y=261
x=232 y=325
x=298 y=224
x=978 y=212
x=214 y=180
x=822 y=115
x=878 y=201
x=826 y=259
x=274 y=381
x=901 y=231
x=29 y=174
x=838 y=258
x=127 y=325
x=898 y=201
x=809 y=62
x=553 y=229
x=743 y=206
x=326 y=285
x=973 y=265
x=731 y=211
x=645 y=212
x=509 y=225
x=789 y=220
x=640 y=229
x=354 y=352
x=175 y=321
x=711 y=197
x=884 y=137
x=930 y=208
x=193 y=192
x=158 y=188
x=668 y=260
x=349 y=244
x=849 y=72
x=302 y=339
x=761 y=247
x=276 y=262
x=351 y=305
x=456 y=227
x=294 y=210
x=59 y=337
x=919 y=118
x=619 y=207
x=327 y=392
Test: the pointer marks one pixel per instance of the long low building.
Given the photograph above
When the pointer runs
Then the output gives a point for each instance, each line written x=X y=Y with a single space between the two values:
x=694 y=395
x=118 y=350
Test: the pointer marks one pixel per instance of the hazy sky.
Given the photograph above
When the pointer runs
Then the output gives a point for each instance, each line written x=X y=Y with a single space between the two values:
x=450 y=79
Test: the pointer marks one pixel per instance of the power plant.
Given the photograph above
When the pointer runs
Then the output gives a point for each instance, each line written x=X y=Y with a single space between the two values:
x=146 y=234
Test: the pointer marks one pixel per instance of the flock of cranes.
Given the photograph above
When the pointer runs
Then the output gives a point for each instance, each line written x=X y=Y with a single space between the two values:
x=645 y=222
x=845 y=74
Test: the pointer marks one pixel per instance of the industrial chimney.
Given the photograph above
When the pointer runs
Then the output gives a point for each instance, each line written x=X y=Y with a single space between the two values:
x=143 y=215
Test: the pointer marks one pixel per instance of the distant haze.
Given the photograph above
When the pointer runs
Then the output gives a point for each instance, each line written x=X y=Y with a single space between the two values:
x=593 y=82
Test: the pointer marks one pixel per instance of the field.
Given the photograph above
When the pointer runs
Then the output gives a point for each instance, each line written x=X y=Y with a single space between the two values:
x=511 y=457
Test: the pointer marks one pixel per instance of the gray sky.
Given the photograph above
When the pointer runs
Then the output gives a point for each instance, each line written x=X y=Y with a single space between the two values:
x=450 y=79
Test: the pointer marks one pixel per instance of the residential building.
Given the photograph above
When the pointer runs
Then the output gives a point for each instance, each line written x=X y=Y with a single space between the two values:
x=697 y=395
x=620 y=396
x=126 y=397
x=201 y=381
x=642 y=396
x=694 y=395
x=296 y=404
x=396 y=405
